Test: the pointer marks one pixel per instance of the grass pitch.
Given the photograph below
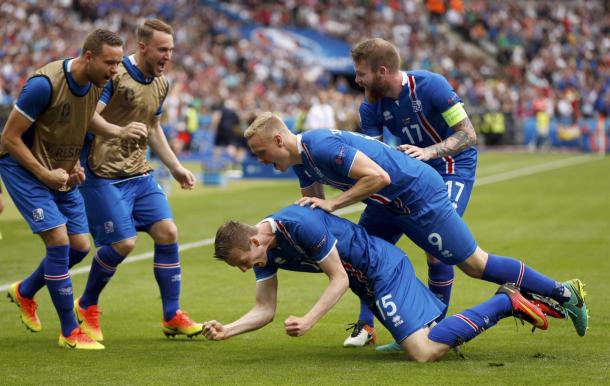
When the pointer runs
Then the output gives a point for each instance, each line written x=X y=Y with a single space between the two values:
x=556 y=220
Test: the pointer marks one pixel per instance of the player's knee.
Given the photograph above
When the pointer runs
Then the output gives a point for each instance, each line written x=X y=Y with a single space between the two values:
x=80 y=244
x=125 y=247
x=423 y=356
x=164 y=232
x=474 y=266
x=55 y=237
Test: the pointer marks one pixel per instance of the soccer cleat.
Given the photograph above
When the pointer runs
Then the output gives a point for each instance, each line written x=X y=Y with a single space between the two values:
x=79 y=340
x=390 y=347
x=547 y=305
x=181 y=324
x=523 y=308
x=89 y=320
x=27 y=307
x=362 y=334
x=576 y=306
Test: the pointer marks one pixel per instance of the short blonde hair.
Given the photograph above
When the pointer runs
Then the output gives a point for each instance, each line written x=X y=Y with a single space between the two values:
x=377 y=52
x=266 y=125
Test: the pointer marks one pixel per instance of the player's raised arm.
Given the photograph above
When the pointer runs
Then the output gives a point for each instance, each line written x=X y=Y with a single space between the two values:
x=260 y=315
x=339 y=283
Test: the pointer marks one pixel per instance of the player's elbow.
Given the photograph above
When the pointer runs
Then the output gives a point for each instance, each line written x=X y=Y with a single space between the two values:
x=382 y=179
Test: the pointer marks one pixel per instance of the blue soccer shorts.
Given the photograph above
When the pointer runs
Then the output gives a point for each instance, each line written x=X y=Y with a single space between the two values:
x=42 y=207
x=402 y=302
x=118 y=210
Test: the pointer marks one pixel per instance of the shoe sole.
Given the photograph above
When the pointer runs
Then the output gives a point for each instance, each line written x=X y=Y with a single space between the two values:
x=172 y=334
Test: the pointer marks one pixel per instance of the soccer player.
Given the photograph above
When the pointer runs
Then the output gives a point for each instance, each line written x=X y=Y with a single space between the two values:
x=404 y=195
x=426 y=115
x=41 y=143
x=121 y=195
x=300 y=239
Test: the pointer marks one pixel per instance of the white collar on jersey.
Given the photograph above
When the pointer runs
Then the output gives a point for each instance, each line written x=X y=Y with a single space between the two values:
x=132 y=60
x=299 y=144
x=69 y=65
x=271 y=222
x=405 y=78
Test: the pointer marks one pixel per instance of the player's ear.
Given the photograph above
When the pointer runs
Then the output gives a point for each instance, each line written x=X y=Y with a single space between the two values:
x=278 y=139
x=254 y=241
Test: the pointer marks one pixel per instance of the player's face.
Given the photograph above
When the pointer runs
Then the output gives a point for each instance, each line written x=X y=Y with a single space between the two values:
x=104 y=66
x=246 y=260
x=157 y=53
x=372 y=81
x=271 y=151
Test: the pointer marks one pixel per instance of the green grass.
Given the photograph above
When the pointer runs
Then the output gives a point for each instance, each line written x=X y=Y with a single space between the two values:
x=557 y=221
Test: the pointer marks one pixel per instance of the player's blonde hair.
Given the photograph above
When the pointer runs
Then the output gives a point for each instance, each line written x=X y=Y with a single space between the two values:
x=266 y=125
x=231 y=235
x=377 y=52
x=145 y=31
x=96 y=39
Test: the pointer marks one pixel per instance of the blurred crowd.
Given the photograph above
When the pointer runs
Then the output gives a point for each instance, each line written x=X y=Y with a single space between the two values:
x=513 y=59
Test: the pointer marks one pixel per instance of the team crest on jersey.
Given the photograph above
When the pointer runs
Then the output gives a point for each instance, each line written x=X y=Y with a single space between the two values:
x=454 y=98
x=129 y=95
x=38 y=214
x=416 y=106
x=341 y=156
x=387 y=115
x=109 y=227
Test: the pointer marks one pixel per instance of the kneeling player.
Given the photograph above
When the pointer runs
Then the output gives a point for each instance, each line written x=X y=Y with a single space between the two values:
x=311 y=240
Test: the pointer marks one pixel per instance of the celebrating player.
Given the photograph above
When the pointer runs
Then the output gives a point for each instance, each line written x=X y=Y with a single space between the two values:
x=121 y=195
x=41 y=143
x=403 y=195
x=301 y=239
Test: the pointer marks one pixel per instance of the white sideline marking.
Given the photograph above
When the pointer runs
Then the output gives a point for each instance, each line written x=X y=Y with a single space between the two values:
x=487 y=180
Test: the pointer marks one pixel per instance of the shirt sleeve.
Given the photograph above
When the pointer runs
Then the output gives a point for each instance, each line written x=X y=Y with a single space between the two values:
x=446 y=101
x=35 y=97
x=336 y=154
x=107 y=92
x=312 y=236
x=369 y=123
x=264 y=273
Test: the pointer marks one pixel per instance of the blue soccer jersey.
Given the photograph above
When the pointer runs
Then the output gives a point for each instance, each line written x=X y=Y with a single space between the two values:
x=416 y=118
x=328 y=156
x=376 y=269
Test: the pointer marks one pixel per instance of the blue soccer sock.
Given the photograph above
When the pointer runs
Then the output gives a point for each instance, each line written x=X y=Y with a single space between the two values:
x=33 y=283
x=167 y=272
x=60 y=286
x=76 y=256
x=460 y=328
x=440 y=282
x=366 y=315
x=501 y=270
x=103 y=267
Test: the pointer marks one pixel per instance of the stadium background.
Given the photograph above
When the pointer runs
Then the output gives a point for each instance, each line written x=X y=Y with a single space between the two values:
x=523 y=68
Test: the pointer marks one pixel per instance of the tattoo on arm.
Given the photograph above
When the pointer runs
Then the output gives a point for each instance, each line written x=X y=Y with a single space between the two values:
x=463 y=138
